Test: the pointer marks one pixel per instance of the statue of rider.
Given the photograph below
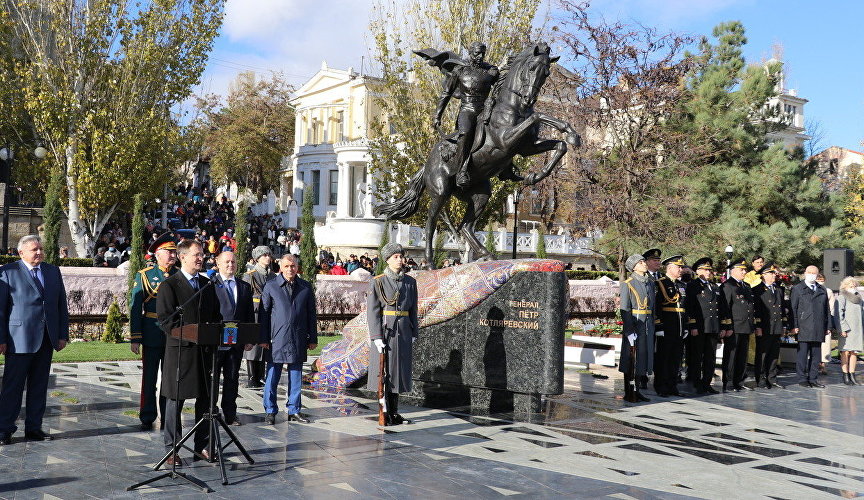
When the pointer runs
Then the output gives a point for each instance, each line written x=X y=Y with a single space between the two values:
x=471 y=84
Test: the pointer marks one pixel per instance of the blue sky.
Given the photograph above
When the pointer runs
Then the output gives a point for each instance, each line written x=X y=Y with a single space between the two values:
x=821 y=44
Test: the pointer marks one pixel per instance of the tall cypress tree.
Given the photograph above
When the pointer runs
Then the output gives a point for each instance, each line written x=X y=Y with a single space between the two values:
x=52 y=217
x=241 y=235
x=540 y=249
x=136 y=248
x=490 y=241
x=308 y=248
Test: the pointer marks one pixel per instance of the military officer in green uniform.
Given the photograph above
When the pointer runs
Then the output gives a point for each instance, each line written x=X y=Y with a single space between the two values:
x=147 y=338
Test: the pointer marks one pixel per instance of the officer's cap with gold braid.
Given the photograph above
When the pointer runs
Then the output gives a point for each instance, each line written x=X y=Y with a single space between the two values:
x=738 y=264
x=769 y=267
x=654 y=253
x=704 y=263
x=163 y=242
x=678 y=260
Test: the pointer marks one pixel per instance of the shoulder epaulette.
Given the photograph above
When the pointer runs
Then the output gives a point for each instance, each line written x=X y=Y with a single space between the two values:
x=249 y=272
x=379 y=276
x=628 y=280
x=145 y=269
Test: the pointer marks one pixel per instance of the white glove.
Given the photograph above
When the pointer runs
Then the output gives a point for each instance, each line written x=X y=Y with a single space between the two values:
x=379 y=344
x=659 y=333
x=632 y=339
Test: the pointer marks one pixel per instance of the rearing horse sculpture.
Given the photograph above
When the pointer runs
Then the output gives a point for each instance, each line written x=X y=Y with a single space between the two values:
x=513 y=128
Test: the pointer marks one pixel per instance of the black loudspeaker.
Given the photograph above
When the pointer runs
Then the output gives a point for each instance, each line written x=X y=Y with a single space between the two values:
x=838 y=263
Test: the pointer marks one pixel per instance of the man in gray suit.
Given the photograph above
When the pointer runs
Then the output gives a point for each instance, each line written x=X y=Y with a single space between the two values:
x=34 y=322
x=288 y=328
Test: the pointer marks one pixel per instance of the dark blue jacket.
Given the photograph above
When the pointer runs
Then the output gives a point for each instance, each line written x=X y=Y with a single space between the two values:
x=288 y=321
x=25 y=313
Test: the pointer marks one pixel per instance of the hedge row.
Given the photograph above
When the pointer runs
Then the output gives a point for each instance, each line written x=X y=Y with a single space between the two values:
x=575 y=274
x=69 y=261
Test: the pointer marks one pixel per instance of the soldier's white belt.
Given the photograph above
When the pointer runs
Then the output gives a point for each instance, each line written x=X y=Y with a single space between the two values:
x=641 y=311
x=674 y=309
x=395 y=313
x=150 y=315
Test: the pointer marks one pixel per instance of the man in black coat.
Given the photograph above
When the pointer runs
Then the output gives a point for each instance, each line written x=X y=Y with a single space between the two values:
x=235 y=301
x=194 y=361
x=771 y=318
x=670 y=328
x=707 y=319
x=811 y=322
x=739 y=297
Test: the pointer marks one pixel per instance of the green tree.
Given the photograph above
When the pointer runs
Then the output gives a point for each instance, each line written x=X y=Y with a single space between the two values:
x=98 y=91
x=490 y=241
x=52 y=217
x=308 y=248
x=241 y=236
x=540 y=249
x=136 y=245
x=409 y=88
x=747 y=190
x=439 y=255
x=385 y=238
x=248 y=137
x=113 y=332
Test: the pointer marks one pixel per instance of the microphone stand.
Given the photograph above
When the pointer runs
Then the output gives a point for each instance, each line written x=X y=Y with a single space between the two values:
x=176 y=445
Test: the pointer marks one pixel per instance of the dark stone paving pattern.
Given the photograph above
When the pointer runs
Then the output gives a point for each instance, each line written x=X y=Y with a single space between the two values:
x=793 y=443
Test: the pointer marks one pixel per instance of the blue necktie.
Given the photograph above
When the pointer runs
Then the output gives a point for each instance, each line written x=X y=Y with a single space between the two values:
x=35 y=273
x=229 y=285
x=193 y=282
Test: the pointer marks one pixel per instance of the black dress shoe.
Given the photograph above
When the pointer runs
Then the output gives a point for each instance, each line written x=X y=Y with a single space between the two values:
x=397 y=419
x=805 y=384
x=146 y=426
x=37 y=435
x=296 y=417
x=5 y=439
x=711 y=390
x=817 y=385
x=270 y=418
x=738 y=388
x=235 y=423
x=641 y=398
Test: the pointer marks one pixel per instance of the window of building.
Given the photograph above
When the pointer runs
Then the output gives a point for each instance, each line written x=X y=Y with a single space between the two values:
x=341 y=125
x=316 y=187
x=334 y=187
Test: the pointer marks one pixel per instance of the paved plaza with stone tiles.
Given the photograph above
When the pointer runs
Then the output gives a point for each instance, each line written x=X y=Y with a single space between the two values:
x=795 y=443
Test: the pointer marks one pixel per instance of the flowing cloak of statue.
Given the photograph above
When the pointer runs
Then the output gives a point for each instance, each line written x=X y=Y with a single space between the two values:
x=442 y=295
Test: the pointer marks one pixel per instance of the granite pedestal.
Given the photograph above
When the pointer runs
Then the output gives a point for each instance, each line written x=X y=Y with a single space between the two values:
x=501 y=355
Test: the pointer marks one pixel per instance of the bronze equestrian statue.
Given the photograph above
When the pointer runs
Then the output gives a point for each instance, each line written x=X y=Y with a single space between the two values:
x=496 y=122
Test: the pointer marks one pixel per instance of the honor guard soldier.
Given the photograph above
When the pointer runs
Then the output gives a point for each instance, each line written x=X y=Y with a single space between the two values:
x=771 y=316
x=739 y=297
x=147 y=338
x=391 y=312
x=707 y=320
x=637 y=313
x=257 y=277
x=670 y=328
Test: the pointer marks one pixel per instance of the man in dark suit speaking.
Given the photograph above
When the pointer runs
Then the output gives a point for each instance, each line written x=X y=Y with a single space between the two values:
x=34 y=322
x=194 y=361
x=235 y=301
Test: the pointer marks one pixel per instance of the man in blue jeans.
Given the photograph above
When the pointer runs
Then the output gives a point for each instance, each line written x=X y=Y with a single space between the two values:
x=288 y=328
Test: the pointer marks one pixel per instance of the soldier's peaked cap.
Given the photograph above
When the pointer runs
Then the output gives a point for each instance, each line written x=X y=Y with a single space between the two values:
x=654 y=253
x=163 y=242
x=738 y=264
x=769 y=267
x=678 y=260
x=704 y=263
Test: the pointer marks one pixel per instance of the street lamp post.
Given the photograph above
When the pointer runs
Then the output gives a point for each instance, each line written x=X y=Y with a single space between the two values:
x=516 y=195
x=8 y=157
x=730 y=251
